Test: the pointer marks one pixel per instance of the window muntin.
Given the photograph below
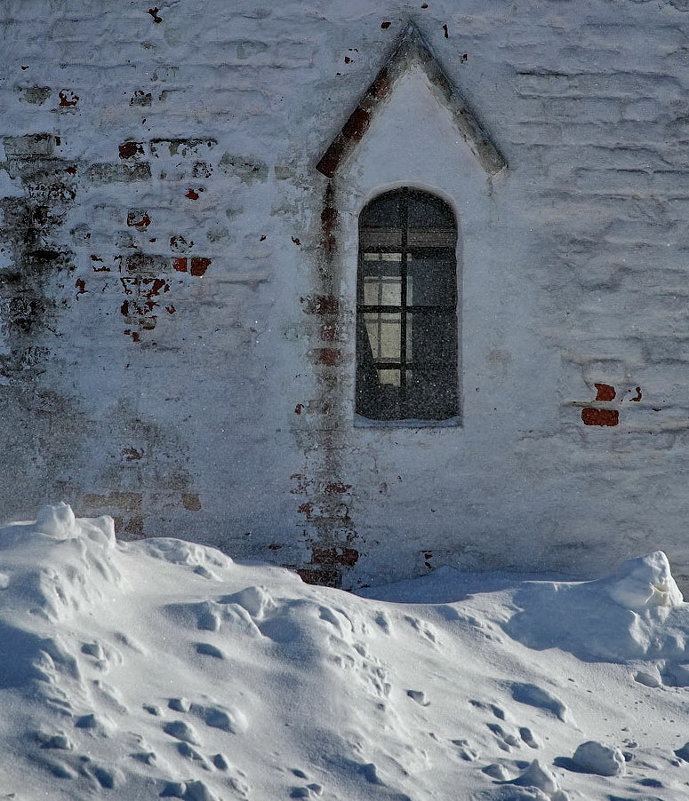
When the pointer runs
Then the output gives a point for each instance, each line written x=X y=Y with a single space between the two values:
x=407 y=308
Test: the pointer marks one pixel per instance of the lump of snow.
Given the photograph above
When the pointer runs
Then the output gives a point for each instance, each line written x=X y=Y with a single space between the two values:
x=537 y=776
x=594 y=757
x=256 y=600
x=56 y=521
x=645 y=582
x=638 y=613
x=227 y=720
x=496 y=771
x=180 y=552
x=179 y=704
x=181 y=731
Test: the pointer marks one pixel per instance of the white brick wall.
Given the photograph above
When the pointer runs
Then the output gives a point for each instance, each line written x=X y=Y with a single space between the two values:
x=160 y=357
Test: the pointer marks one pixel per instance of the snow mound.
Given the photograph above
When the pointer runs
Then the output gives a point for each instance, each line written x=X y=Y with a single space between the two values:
x=637 y=613
x=644 y=583
x=594 y=757
x=164 y=669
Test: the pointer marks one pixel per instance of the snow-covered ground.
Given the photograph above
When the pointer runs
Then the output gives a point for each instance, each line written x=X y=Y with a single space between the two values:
x=164 y=669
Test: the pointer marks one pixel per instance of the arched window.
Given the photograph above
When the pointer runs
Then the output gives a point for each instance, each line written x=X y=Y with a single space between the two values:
x=406 y=348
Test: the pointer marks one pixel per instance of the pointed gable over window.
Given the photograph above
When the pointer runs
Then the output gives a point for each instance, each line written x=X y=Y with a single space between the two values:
x=411 y=50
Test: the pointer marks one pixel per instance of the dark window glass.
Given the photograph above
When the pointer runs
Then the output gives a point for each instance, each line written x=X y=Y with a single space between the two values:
x=407 y=308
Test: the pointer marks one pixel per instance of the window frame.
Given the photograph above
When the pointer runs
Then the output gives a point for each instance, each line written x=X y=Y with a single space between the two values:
x=440 y=374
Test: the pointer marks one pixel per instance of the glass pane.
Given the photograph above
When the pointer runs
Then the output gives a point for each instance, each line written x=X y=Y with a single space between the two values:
x=432 y=393
x=430 y=281
x=384 y=335
x=433 y=339
x=382 y=212
x=381 y=279
x=389 y=377
x=428 y=211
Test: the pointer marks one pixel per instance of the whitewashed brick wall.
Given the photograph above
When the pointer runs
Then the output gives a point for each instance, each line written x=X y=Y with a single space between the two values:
x=176 y=341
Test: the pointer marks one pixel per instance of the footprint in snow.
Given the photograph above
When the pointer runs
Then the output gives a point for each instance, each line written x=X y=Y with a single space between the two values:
x=381 y=619
x=465 y=752
x=306 y=792
x=185 y=750
x=230 y=720
x=179 y=704
x=505 y=740
x=189 y=791
x=206 y=649
x=419 y=696
x=422 y=628
x=532 y=695
x=497 y=711
x=527 y=736
x=149 y=758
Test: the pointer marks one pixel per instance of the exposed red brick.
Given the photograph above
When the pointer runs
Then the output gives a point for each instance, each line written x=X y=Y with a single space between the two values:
x=132 y=454
x=80 y=284
x=68 y=98
x=385 y=25
x=446 y=32
x=605 y=392
x=154 y=13
x=321 y=304
x=302 y=484
x=192 y=194
x=135 y=527
x=329 y=216
x=170 y=309
x=357 y=125
x=180 y=244
x=336 y=488
x=179 y=264
x=199 y=265
x=600 y=417
x=156 y=285
x=299 y=408
x=306 y=509
x=325 y=577
x=334 y=556
x=638 y=396
x=128 y=150
x=191 y=501
x=296 y=240
x=329 y=332
x=328 y=356
x=139 y=220
x=141 y=98
x=274 y=547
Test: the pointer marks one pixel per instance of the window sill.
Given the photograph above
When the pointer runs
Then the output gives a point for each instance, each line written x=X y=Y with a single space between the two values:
x=366 y=422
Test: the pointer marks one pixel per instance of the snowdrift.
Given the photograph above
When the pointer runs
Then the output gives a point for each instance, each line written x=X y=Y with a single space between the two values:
x=165 y=669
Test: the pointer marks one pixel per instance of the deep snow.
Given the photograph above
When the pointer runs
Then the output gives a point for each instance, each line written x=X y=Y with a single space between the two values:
x=164 y=668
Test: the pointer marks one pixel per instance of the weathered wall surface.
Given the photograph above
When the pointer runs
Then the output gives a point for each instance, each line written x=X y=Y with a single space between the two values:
x=177 y=279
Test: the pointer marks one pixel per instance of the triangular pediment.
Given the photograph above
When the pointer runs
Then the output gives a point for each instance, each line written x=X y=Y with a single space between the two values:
x=410 y=51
